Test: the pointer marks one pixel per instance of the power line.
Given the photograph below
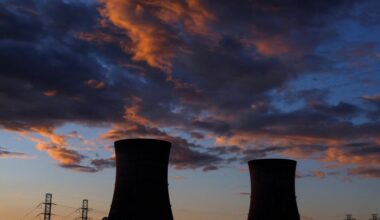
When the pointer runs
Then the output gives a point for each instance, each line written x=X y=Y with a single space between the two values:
x=68 y=215
x=65 y=206
x=31 y=211
x=38 y=215
x=98 y=211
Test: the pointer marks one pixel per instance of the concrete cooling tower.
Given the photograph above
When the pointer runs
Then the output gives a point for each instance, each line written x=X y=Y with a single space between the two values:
x=273 y=190
x=141 y=188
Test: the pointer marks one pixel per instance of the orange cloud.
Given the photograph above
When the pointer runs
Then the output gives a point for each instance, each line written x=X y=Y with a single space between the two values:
x=50 y=93
x=133 y=126
x=147 y=24
x=55 y=145
x=95 y=84
x=372 y=98
x=319 y=174
x=62 y=155
x=270 y=45
x=359 y=160
x=132 y=113
x=338 y=154
x=132 y=121
x=47 y=132
x=191 y=13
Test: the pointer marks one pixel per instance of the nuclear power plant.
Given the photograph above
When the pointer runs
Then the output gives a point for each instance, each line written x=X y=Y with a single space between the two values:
x=273 y=190
x=141 y=187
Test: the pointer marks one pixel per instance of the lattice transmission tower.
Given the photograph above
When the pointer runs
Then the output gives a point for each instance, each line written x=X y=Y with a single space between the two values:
x=84 y=210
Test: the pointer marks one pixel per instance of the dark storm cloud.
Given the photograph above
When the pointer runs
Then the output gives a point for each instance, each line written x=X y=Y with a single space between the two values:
x=40 y=74
x=219 y=127
x=181 y=157
x=184 y=71
x=363 y=149
x=280 y=27
x=196 y=135
x=308 y=95
x=260 y=153
x=236 y=78
x=226 y=150
x=184 y=158
x=300 y=151
x=46 y=74
x=19 y=23
x=341 y=109
x=184 y=154
x=269 y=16
x=374 y=101
x=28 y=73
x=308 y=123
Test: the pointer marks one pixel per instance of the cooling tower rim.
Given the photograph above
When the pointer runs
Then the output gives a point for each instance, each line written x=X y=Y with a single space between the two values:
x=141 y=141
x=272 y=161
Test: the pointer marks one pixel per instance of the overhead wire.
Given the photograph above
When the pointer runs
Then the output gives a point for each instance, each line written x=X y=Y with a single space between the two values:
x=31 y=211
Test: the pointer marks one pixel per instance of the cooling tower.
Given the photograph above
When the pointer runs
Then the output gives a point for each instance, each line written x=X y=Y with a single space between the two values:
x=273 y=190
x=141 y=188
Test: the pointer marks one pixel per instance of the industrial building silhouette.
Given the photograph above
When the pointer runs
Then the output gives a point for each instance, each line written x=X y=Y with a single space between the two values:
x=141 y=187
x=273 y=190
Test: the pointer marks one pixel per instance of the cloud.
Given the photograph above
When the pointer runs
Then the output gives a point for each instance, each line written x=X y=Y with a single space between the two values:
x=57 y=147
x=319 y=174
x=273 y=46
x=103 y=163
x=97 y=37
x=79 y=168
x=341 y=109
x=184 y=154
x=95 y=84
x=373 y=98
x=4 y=153
x=225 y=82
x=369 y=172
x=149 y=25
x=374 y=101
x=50 y=93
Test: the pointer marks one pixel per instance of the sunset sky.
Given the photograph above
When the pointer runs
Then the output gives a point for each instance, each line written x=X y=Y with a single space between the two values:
x=224 y=81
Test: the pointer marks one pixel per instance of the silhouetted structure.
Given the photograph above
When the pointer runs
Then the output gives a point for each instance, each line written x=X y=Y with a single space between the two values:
x=84 y=210
x=48 y=203
x=349 y=217
x=141 y=188
x=374 y=217
x=273 y=190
